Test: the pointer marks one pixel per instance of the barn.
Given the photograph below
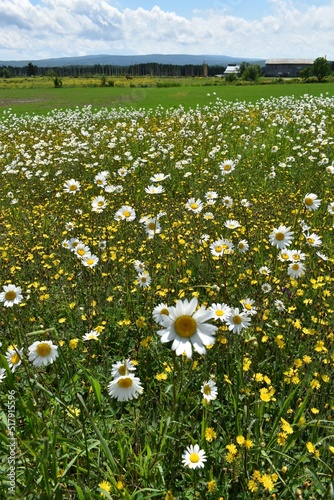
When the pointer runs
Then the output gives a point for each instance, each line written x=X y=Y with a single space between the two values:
x=286 y=67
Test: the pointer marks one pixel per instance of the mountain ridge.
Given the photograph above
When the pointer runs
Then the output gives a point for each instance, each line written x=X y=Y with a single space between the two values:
x=129 y=60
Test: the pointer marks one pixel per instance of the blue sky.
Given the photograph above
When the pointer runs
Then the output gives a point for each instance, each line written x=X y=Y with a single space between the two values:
x=37 y=29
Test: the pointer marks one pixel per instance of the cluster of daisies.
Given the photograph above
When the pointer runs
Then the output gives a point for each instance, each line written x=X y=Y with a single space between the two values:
x=187 y=327
x=82 y=251
x=125 y=385
x=40 y=353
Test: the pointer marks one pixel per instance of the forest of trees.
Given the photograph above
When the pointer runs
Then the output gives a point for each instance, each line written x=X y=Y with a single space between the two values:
x=152 y=69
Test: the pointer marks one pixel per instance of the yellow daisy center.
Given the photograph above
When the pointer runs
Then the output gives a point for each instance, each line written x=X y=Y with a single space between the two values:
x=237 y=319
x=90 y=262
x=207 y=390
x=219 y=312
x=279 y=236
x=227 y=167
x=194 y=206
x=185 y=326
x=310 y=240
x=151 y=226
x=165 y=312
x=11 y=295
x=125 y=383
x=122 y=370
x=100 y=203
x=295 y=267
x=126 y=213
x=194 y=458
x=308 y=201
x=15 y=359
x=81 y=251
x=218 y=248
x=248 y=307
x=73 y=187
x=43 y=349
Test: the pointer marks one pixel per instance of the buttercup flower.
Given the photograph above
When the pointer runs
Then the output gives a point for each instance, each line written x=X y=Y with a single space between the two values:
x=42 y=353
x=187 y=329
x=193 y=457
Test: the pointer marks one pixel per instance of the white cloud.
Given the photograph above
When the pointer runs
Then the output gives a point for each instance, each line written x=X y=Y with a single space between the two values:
x=58 y=28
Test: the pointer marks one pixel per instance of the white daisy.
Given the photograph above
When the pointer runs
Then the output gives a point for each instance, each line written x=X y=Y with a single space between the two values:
x=144 y=279
x=237 y=320
x=296 y=269
x=193 y=457
x=243 y=246
x=41 y=353
x=330 y=208
x=311 y=201
x=122 y=368
x=71 y=186
x=226 y=167
x=281 y=237
x=125 y=213
x=154 y=189
x=284 y=255
x=221 y=247
x=11 y=295
x=159 y=177
x=227 y=201
x=139 y=266
x=194 y=205
x=160 y=312
x=232 y=224
x=264 y=270
x=81 y=250
x=248 y=306
x=279 y=305
x=92 y=335
x=296 y=255
x=99 y=203
x=209 y=390
x=186 y=328
x=211 y=197
x=220 y=311
x=313 y=240
x=266 y=288
x=90 y=260
x=125 y=388
x=14 y=358
x=3 y=374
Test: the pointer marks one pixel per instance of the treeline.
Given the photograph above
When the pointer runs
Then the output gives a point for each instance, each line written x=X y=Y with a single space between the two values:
x=144 y=69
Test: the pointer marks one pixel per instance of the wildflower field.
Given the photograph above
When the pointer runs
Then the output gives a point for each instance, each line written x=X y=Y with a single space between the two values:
x=166 y=297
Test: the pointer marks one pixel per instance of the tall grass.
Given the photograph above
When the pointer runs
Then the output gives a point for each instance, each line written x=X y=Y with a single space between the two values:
x=250 y=168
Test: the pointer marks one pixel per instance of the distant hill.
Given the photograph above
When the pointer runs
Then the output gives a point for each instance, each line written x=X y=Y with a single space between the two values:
x=104 y=59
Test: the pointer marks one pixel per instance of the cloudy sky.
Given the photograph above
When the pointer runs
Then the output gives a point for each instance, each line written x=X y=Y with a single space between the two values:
x=38 y=29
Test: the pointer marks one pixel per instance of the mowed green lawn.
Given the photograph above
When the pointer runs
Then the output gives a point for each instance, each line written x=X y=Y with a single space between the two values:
x=43 y=100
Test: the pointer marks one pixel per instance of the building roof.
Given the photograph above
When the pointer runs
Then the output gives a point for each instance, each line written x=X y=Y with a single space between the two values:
x=232 y=68
x=289 y=61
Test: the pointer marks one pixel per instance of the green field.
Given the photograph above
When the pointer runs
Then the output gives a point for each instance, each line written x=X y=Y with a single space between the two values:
x=166 y=293
x=191 y=92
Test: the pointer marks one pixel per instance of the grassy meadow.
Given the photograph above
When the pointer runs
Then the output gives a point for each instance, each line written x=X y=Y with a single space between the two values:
x=166 y=295
x=38 y=95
